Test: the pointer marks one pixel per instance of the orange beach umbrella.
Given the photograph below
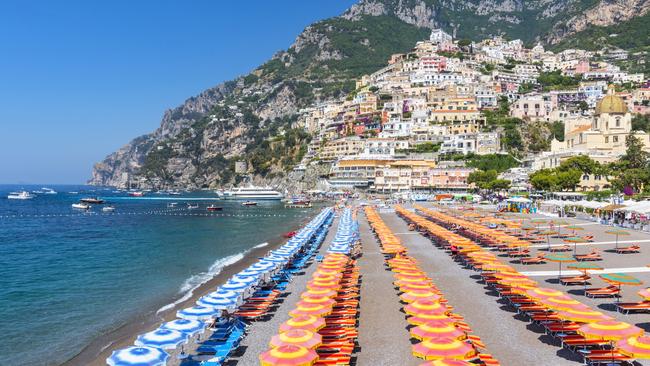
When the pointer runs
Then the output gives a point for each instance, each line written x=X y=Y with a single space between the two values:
x=297 y=337
x=308 y=322
x=440 y=348
x=288 y=355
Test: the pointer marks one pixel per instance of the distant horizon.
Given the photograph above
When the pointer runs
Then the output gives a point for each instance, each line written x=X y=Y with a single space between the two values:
x=83 y=79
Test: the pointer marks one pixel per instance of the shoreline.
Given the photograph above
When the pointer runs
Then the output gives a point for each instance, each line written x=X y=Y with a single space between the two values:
x=101 y=347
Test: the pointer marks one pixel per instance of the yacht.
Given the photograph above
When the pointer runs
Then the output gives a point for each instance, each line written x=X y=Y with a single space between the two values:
x=252 y=193
x=24 y=195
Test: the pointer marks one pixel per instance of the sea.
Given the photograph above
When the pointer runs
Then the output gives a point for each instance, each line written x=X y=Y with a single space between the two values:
x=68 y=276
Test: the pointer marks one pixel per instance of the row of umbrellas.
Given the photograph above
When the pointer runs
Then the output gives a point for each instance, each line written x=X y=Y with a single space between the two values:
x=151 y=348
x=627 y=338
x=346 y=234
x=440 y=332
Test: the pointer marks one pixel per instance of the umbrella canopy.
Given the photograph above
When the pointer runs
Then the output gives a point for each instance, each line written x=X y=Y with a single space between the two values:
x=575 y=240
x=288 y=355
x=138 y=356
x=311 y=309
x=447 y=362
x=560 y=258
x=585 y=266
x=425 y=306
x=411 y=296
x=426 y=318
x=635 y=347
x=437 y=329
x=318 y=292
x=308 y=322
x=609 y=330
x=162 y=338
x=187 y=326
x=440 y=348
x=542 y=293
x=198 y=313
x=561 y=303
x=220 y=303
x=617 y=233
x=582 y=315
x=621 y=279
x=298 y=337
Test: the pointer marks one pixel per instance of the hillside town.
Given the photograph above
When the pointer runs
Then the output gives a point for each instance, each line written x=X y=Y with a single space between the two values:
x=415 y=124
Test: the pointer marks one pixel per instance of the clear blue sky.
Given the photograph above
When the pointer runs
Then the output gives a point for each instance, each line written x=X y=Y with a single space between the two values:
x=79 y=79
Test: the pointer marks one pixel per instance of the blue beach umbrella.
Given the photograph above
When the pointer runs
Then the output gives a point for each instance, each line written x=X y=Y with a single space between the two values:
x=187 y=326
x=198 y=313
x=216 y=302
x=138 y=356
x=235 y=286
x=224 y=293
x=248 y=280
x=162 y=338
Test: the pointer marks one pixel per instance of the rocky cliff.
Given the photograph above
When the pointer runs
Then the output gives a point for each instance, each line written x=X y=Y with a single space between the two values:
x=253 y=117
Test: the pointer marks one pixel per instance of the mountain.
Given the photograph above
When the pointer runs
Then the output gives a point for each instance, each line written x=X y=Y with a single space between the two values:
x=253 y=117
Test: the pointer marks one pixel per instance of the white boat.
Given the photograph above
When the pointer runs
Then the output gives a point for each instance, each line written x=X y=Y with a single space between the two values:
x=24 y=195
x=252 y=193
x=81 y=206
x=172 y=204
x=192 y=207
x=108 y=209
x=48 y=190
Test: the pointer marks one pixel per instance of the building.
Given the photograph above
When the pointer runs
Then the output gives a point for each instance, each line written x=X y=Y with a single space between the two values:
x=341 y=148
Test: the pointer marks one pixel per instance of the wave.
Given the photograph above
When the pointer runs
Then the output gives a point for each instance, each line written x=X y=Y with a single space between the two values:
x=260 y=245
x=191 y=284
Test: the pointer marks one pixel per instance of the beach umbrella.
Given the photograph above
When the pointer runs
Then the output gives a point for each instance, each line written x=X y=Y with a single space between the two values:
x=426 y=318
x=609 y=330
x=138 y=356
x=585 y=266
x=542 y=293
x=311 y=309
x=440 y=348
x=425 y=306
x=561 y=303
x=188 y=326
x=288 y=355
x=162 y=338
x=318 y=292
x=236 y=286
x=635 y=347
x=198 y=313
x=412 y=296
x=582 y=315
x=574 y=228
x=220 y=303
x=645 y=294
x=575 y=240
x=298 y=337
x=447 y=362
x=308 y=322
x=559 y=258
x=618 y=233
x=548 y=234
x=321 y=300
x=620 y=279
x=435 y=329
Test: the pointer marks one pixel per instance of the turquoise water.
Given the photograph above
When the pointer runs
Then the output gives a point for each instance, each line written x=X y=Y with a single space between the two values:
x=67 y=277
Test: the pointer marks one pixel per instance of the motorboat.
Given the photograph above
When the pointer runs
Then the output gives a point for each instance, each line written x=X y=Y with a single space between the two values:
x=108 y=209
x=172 y=204
x=249 y=203
x=192 y=207
x=252 y=192
x=289 y=234
x=92 y=200
x=214 y=208
x=81 y=206
x=23 y=195
x=136 y=194
x=48 y=190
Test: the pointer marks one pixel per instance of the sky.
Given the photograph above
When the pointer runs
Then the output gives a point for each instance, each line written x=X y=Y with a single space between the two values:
x=80 y=79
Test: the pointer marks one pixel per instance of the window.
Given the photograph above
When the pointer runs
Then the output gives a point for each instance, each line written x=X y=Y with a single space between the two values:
x=615 y=138
x=606 y=139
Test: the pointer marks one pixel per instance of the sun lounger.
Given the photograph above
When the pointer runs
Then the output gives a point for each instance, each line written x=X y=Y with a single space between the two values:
x=593 y=256
x=633 y=307
x=575 y=341
x=575 y=280
x=540 y=259
x=561 y=248
x=607 y=357
x=609 y=291
x=627 y=250
x=488 y=360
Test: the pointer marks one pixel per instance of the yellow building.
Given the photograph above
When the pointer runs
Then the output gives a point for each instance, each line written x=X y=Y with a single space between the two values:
x=341 y=148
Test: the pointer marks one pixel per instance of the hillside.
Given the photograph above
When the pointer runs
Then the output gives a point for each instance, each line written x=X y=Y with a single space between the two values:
x=253 y=117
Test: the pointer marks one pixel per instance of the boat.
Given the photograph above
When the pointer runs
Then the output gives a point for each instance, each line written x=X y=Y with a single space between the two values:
x=214 y=208
x=48 y=190
x=252 y=192
x=298 y=205
x=192 y=207
x=92 y=200
x=81 y=206
x=108 y=209
x=171 y=205
x=290 y=234
x=23 y=195
x=136 y=194
x=249 y=203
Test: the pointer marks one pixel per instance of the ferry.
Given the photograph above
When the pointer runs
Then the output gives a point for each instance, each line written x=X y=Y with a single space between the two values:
x=214 y=208
x=252 y=192
x=81 y=206
x=249 y=203
x=24 y=195
x=92 y=200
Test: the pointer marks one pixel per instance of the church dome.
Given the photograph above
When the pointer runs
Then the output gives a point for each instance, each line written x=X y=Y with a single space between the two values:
x=611 y=104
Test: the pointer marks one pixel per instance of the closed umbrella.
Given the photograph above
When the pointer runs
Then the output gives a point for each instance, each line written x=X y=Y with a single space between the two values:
x=138 y=356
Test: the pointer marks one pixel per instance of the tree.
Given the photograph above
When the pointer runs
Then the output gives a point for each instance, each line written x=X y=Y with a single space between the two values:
x=641 y=122
x=569 y=179
x=499 y=185
x=543 y=180
x=635 y=156
x=482 y=178
x=582 y=163
x=464 y=42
